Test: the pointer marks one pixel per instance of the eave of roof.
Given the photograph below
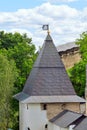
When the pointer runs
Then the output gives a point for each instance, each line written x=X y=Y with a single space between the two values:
x=21 y=96
x=53 y=99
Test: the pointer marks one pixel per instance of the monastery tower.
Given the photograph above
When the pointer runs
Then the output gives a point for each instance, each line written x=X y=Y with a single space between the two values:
x=47 y=91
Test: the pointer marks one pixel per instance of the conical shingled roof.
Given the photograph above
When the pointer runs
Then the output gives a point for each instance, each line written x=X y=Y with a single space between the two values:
x=48 y=80
x=48 y=76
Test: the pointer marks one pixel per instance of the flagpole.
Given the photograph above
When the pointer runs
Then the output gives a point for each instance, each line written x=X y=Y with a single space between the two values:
x=46 y=27
x=48 y=31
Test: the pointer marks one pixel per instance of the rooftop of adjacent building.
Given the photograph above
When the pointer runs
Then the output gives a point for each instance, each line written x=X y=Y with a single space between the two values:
x=67 y=46
x=67 y=118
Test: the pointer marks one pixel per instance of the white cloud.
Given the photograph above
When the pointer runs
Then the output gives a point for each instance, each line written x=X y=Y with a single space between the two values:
x=66 y=23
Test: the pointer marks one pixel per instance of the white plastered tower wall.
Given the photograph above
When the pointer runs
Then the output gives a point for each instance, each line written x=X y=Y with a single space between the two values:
x=86 y=92
x=32 y=117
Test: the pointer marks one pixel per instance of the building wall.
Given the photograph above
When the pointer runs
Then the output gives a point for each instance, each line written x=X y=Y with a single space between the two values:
x=52 y=126
x=83 y=108
x=70 y=57
x=32 y=116
x=54 y=109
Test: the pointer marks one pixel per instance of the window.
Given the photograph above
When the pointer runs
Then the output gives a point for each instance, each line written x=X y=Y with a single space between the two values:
x=46 y=126
x=63 y=106
x=44 y=106
x=28 y=128
x=27 y=106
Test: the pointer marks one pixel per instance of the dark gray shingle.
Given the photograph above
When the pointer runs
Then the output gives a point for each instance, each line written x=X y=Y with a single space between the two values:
x=82 y=125
x=21 y=96
x=65 y=118
x=48 y=56
x=48 y=81
x=48 y=76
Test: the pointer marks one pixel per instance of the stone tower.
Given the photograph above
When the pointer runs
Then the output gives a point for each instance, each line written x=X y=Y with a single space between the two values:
x=47 y=91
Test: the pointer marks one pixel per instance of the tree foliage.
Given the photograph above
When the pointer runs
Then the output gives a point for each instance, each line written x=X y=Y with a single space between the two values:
x=8 y=74
x=83 y=45
x=9 y=40
x=18 y=48
x=78 y=72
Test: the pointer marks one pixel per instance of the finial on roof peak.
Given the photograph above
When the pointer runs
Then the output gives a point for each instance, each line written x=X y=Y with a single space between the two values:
x=48 y=32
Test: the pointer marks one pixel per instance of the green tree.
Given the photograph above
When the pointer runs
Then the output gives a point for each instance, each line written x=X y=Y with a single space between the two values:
x=24 y=57
x=82 y=42
x=19 y=48
x=9 y=40
x=8 y=74
x=77 y=76
x=78 y=72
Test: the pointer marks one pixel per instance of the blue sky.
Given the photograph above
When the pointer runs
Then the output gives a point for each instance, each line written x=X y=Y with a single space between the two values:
x=67 y=19
x=13 y=5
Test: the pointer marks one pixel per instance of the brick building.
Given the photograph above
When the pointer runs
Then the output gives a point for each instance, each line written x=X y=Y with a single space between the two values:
x=69 y=54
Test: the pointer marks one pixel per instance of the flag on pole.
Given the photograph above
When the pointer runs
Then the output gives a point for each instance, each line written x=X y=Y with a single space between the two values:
x=45 y=27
